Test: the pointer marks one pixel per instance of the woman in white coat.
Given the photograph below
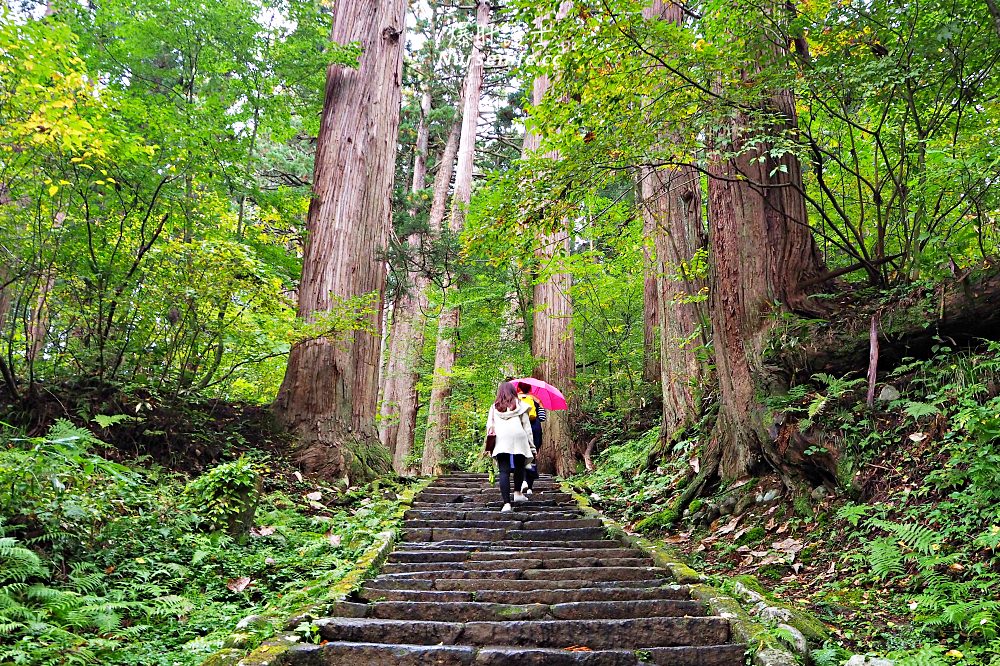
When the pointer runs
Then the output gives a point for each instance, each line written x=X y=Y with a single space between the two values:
x=508 y=420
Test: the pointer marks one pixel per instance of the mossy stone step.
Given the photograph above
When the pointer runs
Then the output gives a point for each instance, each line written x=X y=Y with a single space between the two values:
x=512 y=563
x=512 y=524
x=522 y=597
x=468 y=611
x=594 y=634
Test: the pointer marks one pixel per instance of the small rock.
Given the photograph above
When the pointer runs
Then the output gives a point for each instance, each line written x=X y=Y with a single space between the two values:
x=594 y=497
x=864 y=660
x=820 y=493
x=769 y=496
x=795 y=639
x=774 y=614
x=888 y=394
x=249 y=621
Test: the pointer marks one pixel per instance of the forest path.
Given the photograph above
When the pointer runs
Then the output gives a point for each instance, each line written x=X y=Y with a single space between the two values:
x=541 y=585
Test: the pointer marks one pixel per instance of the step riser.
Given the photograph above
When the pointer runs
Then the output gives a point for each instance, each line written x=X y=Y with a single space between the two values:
x=525 y=597
x=511 y=563
x=507 y=524
x=476 y=584
x=481 y=611
x=595 y=634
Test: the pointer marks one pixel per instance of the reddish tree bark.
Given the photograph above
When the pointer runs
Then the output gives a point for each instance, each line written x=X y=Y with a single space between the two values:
x=552 y=341
x=762 y=253
x=328 y=397
x=672 y=218
x=438 y=412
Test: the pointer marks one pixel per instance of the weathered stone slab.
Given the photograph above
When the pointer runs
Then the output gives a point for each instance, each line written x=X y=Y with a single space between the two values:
x=389 y=631
x=598 y=634
x=568 y=595
x=585 y=610
x=377 y=594
x=457 y=611
x=376 y=654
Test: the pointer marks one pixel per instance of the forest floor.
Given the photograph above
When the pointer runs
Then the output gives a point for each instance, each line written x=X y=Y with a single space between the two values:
x=123 y=553
x=903 y=560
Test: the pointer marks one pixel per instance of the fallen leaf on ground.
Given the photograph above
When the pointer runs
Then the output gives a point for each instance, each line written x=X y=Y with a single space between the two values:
x=315 y=496
x=238 y=584
x=334 y=539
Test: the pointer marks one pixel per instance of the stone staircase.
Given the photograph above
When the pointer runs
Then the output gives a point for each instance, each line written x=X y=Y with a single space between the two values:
x=541 y=585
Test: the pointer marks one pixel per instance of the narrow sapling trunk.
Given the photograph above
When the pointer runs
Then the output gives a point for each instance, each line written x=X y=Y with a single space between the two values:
x=329 y=394
x=438 y=413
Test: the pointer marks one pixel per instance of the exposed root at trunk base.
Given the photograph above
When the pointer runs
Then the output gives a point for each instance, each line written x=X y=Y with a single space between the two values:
x=333 y=452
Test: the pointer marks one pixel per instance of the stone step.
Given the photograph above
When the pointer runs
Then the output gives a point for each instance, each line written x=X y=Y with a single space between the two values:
x=596 y=574
x=501 y=522
x=472 y=487
x=477 y=584
x=501 y=534
x=594 y=634
x=495 y=505
x=513 y=552
x=446 y=514
x=514 y=562
x=524 y=545
x=523 y=597
x=469 y=611
x=377 y=654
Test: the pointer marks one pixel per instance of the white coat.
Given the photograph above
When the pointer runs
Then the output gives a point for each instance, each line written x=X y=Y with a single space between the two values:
x=513 y=431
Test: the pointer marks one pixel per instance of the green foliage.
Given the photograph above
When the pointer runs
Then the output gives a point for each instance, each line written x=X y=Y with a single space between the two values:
x=105 y=563
x=225 y=496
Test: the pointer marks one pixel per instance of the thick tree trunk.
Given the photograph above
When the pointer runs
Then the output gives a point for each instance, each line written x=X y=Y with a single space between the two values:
x=672 y=218
x=438 y=413
x=329 y=394
x=400 y=400
x=651 y=365
x=552 y=341
x=762 y=251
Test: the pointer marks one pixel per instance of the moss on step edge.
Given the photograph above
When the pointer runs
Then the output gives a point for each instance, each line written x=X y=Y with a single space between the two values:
x=315 y=600
x=767 y=649
x=748 y=589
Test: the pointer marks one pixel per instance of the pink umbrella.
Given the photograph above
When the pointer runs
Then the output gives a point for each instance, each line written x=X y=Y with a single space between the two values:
x=547 y=394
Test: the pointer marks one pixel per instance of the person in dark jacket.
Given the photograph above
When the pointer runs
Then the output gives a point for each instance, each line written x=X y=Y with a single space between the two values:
x=536 y=415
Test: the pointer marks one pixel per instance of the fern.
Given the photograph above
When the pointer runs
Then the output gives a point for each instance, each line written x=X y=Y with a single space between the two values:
x=853 y=513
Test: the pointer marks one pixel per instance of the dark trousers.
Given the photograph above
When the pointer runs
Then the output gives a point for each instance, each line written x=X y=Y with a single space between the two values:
x=531 y=473
x=508 y=462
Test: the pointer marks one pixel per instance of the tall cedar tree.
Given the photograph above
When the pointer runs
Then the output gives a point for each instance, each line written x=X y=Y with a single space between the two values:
x=552 y=342
x=438 y=414
x=328 y=397
x=671 y=209
x=762 y=253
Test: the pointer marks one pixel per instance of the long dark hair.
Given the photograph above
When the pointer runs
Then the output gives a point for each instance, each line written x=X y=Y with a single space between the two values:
x=506 y=397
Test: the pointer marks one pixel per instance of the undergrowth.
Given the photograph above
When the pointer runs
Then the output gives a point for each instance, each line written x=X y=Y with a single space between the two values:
x=105 y=563
x=914 y=558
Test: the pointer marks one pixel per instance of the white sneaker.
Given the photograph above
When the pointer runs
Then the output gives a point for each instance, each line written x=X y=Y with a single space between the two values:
x=524 y=486
x=518 y=497
x=507 y=508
